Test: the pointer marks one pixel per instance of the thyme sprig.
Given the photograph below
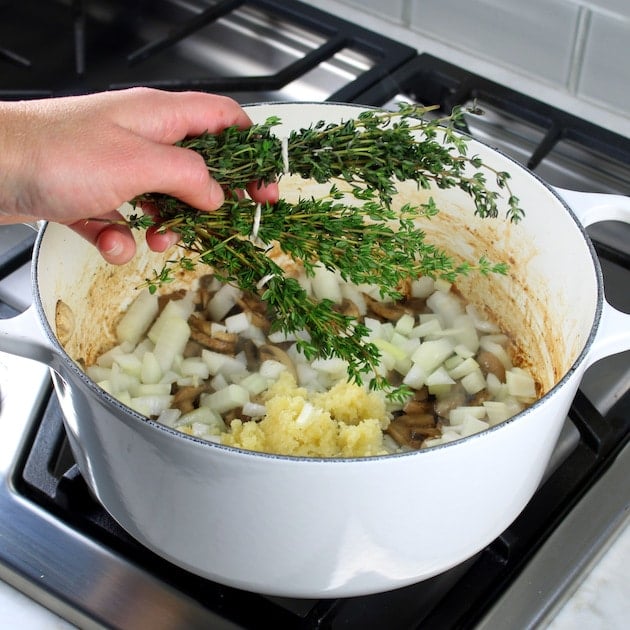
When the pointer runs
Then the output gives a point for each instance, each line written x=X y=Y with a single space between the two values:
x=355 y=232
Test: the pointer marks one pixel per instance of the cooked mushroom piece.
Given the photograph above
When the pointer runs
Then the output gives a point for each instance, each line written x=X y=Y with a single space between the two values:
x=269 y=352
x=417 y=407
x=413 y=430
x=251 y=304
x=201 y=331
x=185 y=397
x=349 y=308
x=455 y=398
x=490 y=363
x=64 y=322
x=390 y=311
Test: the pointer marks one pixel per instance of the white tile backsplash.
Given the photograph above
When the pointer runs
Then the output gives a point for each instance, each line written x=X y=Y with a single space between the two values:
x=577 y=50
x=605 y=72
x=619 y=7
x=535 y=36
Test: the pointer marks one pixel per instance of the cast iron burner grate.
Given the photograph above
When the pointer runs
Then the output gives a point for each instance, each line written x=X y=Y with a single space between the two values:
x=456 y=599
x=79 y=46
x=432 y=81
x=459 y=598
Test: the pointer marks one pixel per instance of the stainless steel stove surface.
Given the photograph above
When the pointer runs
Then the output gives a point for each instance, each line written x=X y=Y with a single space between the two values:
x=259 y=50
x=61 y=548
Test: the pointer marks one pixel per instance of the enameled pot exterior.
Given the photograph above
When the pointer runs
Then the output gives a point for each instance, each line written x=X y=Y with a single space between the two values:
x=333 y=528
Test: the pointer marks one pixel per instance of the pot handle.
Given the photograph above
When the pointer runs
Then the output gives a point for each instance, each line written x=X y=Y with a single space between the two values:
x=613 y=334
x=22 y=336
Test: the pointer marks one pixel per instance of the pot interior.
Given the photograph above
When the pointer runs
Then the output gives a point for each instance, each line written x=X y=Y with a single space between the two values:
x=547 y=303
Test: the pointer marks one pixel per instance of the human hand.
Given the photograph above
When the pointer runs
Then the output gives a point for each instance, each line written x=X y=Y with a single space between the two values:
x=77 y=158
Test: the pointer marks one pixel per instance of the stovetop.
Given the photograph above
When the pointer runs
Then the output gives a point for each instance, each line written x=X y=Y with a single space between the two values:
x=60 y=547
x=254 y=50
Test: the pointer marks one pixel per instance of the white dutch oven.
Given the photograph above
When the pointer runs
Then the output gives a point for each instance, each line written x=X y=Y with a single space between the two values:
x=329 y=528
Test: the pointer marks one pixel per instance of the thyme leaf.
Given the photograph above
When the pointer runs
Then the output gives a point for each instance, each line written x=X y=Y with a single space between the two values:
x=364 y=239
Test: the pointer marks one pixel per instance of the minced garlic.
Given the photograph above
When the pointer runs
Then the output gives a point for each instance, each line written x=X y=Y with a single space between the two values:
x=346 y=421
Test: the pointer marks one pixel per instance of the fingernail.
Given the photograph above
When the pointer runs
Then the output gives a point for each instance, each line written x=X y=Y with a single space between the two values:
x=115 y=249
x=216 y=195
x=110 y=245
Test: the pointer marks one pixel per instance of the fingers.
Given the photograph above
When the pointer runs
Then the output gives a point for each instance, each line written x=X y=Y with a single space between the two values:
x=161 y=241
x=175 y=115
x=180 y=173
x=263 y=193
x=140 y=156
x=183 y=174
x=115 y=242
x=158 y=241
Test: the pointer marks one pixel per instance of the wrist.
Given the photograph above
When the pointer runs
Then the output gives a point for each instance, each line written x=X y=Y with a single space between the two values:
x=14 y=163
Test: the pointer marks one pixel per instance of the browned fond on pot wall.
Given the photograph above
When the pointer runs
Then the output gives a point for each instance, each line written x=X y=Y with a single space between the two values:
x=520 y=308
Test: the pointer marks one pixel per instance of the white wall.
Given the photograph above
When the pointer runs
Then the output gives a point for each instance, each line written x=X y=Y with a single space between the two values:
x=573 y=52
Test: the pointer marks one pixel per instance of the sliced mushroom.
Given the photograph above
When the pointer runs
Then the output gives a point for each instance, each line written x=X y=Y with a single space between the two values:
x=390 y=311
x=490 y=363
x=252 y=303
x=417 y=407
x=235 y=414
x=269 y=352
x=64 y=322
x=456 y=398
x=479 y=398
x=257 y=310
x=222 y=342
x=193 y=349
x=218 y=341
x=198 y=322
x=185 y=397
x=416 y=305
x=404 y=287
x=348 y=308
x=412 y=430
x=251 y=354
x=417 y=419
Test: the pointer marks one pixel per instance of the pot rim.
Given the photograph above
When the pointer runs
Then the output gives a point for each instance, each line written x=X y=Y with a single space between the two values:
x=129 y=415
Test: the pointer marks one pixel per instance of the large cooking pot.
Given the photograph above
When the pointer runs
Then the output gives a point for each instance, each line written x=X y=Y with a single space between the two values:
x=322 y=528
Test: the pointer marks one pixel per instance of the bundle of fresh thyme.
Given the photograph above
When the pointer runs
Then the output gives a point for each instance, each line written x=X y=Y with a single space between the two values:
x=365 y=240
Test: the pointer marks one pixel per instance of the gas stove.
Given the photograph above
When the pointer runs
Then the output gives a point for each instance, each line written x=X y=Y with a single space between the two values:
x=61 y=548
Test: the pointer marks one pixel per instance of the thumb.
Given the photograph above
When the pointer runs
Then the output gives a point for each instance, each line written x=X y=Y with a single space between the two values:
x=181 y=173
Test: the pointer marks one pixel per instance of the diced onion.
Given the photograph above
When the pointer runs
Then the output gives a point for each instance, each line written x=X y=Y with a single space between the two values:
x=169 y=416
x=520 y=384
x=150 y=371
x=228 y=398
x=174 y=309
x=473 y=382
x=254 y=410
x=237 y=323
x=457 y=415
x=151 y=405
x=171 y=341
x=439 y=377
x=423 y=287
x=223 y=301
x=431 y=354
x=325 y=285
x=137 y=318
x=436 y=350
x=472 y=425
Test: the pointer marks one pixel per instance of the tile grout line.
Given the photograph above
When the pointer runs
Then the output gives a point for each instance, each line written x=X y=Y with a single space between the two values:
x=577 y=56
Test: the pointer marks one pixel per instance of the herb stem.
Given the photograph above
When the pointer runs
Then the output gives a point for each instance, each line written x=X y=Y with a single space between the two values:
x=354 y=231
